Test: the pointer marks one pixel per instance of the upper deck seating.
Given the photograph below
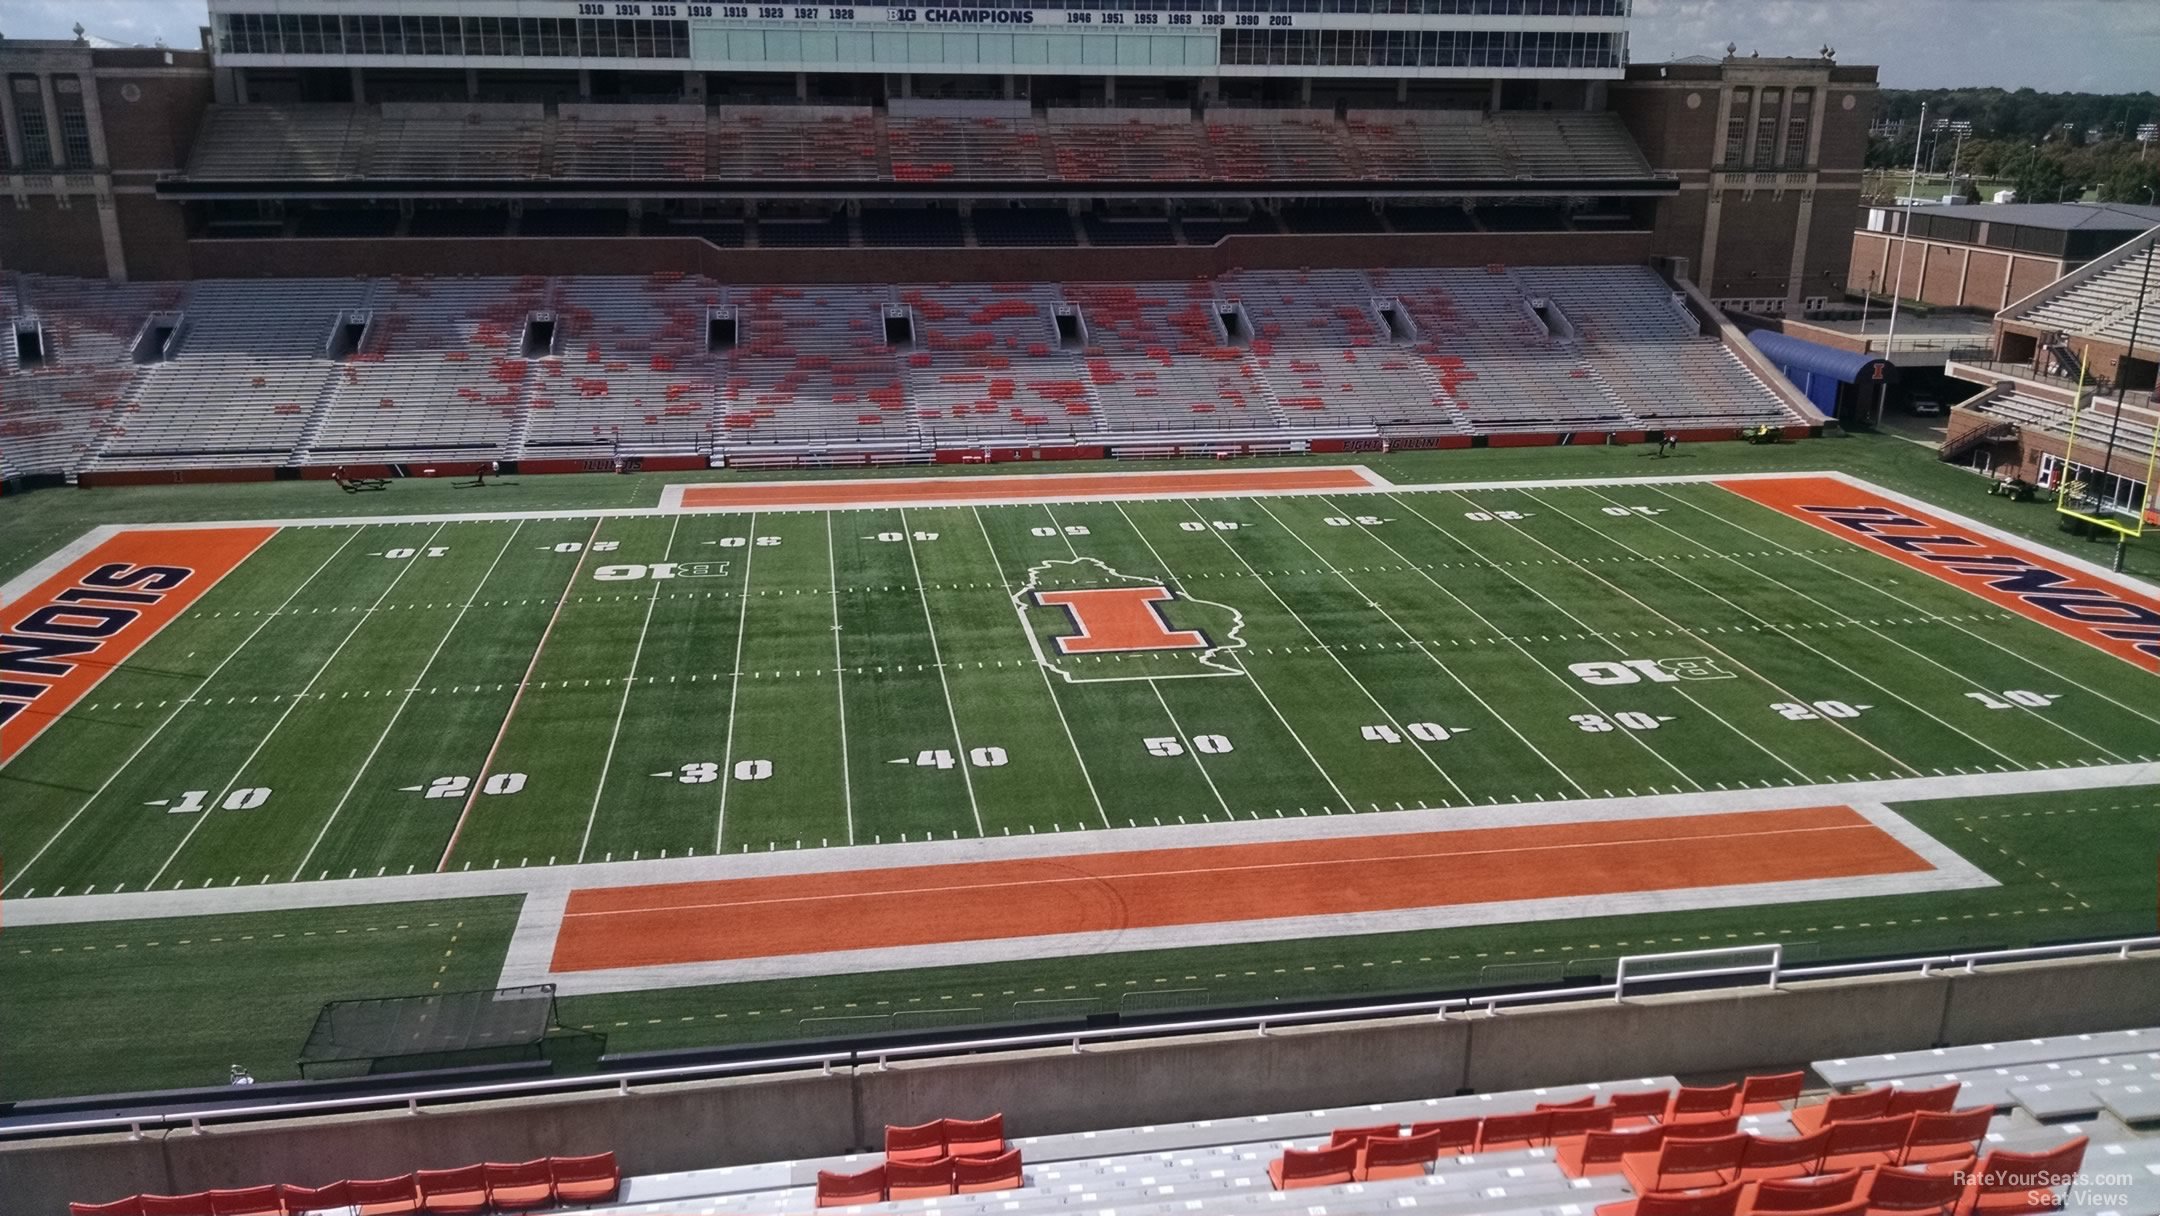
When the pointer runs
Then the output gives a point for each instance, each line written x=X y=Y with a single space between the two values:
x=262 y=142
x=795 y=143
x=423 y=140
x=658 y=142
x=931 y=141
x=2105 y=305
x=1125 y=145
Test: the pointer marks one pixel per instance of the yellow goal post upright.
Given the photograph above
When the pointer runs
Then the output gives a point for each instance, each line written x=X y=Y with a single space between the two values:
x=2088 y=507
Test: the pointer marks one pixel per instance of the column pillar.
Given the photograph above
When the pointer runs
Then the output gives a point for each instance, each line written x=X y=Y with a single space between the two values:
x=52 y=123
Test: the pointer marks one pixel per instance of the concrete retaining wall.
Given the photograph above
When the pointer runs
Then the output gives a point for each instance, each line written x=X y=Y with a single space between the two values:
x=731 y=1122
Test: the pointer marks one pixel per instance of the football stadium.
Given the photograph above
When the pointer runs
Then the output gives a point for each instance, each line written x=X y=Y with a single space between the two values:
x=1290 y=607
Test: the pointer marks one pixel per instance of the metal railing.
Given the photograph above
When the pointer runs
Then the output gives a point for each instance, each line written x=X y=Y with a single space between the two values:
x=1768 y=972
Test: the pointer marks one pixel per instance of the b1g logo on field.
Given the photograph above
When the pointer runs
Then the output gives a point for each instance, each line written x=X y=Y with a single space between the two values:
x=1614 y=672
x=1088 y=622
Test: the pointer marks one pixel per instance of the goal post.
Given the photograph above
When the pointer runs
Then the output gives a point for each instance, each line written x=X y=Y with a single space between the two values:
x=2102 y=441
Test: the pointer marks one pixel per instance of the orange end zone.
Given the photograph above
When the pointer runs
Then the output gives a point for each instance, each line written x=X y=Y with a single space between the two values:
x=2096 y=611
x=611 y=927
x=77 y=626
x=905 y=492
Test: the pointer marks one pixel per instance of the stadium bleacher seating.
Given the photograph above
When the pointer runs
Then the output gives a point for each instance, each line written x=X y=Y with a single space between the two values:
x=911 y=140
x=1485 y=1154
x=443 y=372
x=2105 y=305
x=491 y=1186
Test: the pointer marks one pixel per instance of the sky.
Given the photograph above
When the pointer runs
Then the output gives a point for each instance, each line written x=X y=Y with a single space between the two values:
x=2093 y=46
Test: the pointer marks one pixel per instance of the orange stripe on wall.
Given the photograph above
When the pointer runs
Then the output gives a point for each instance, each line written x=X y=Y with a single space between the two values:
x=1903 y=534
x=207 y=554
x=976 y=489
x=1103 y=892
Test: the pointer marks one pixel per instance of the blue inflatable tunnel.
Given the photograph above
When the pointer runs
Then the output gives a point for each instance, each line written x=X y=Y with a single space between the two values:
x=1830 y=377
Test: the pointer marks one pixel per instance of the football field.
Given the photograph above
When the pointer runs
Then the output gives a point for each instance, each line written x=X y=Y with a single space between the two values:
x=1062 y=715
x=357 y=700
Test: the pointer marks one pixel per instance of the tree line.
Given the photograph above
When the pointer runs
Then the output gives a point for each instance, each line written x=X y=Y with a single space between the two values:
x=2048 y=146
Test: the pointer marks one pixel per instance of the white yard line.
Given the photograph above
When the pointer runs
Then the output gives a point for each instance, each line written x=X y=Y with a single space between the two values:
x=1040 y=670
x=177 y=709
x=1900 y=600
x=503 y=731
x=210 y=808
x=727 y=752
x=847 y=787
x=426 y=667
x=959 y=745
x=607 y=761
x=1496 y=631
x=1415 y=642
x=1324 y=649
x=1818 y=652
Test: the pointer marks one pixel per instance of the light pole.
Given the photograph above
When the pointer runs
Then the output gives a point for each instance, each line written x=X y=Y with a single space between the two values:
x=1912 y=187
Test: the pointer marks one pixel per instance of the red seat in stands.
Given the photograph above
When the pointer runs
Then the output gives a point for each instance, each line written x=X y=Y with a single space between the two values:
x=1717 y=1201
x=195 y=1204
x=1682 y=1164
x=1919 y=1101
x=996 y=1172
x=517 y=1186
x=2009 y=1184
x=1863 y=1143
x=1803 y=1194
x=1769 y=1157
x=1457 y=1136
x=453 y=1192
x=1522 y=1129
x=1314 y=1167
x=1759 y=1095
x=384 y=1196
x=1397 y=1156
x=1946 y=1136
x=248 y=1201
x=130 y=1206
x=1864 y=1104
x=1601 y=1152
x=918 y=1179
x=983 y=1137
x=921 y=1142
x=1636 y=1107
x=848 y=1190
x=1692 y=1102
x=585 y=1179
x=1900 y=1192
x=1359 y=1135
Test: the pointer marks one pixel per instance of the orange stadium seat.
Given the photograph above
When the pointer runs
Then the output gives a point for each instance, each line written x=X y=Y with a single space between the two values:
x=1456 y=1135
x=1703 y=1129
x=1523 y=1129
x=1851 y=1207
x=1866 y=1142
x=316 y=1198
x=1692 y=1102
x=1717 y=1201
x=1901 y=1192
x=130 y=1206
x=1803 y=1194
x=1582 y=1103
x=918 y=1179
x=513 y=1187
x=1759 y=1095
x=1298 y=1167
x=1945 y=1136
x=974 y=1137
x=585 y=1179
x=1679 y=1164
x=195 y=1204
x=921 y=1142
x=848 y=1190
x=1359 y=1135
x=1777 y=1157
x=1397 y=1156
x=384 y=1196
x=2010 y=1184
x=1578 y=1121
x=995 y=1172
x=1864 y=1104
x=1638 y=1107
x=248 y=1201
x=1601 y=1152
x=453 y=1192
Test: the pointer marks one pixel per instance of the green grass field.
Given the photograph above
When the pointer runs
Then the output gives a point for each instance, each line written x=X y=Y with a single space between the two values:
x=485 y=694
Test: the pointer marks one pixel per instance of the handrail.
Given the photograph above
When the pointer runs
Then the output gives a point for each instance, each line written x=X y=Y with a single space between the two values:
x=1771 y=974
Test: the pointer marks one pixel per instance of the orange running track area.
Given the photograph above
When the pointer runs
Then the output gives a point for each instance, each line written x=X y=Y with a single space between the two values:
x=702 y=922
x=881 y=492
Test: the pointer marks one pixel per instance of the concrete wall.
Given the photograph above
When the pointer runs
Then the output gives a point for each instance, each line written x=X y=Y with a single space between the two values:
x=1056 y=1090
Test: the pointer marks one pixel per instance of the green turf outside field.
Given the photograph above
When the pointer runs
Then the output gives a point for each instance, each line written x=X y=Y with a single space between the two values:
x=815 y=679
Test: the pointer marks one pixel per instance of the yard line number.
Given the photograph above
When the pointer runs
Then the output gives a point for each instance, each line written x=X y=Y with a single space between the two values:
x=1170 y=745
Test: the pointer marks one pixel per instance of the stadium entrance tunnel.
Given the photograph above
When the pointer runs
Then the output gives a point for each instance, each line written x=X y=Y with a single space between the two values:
x=1846 y=385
